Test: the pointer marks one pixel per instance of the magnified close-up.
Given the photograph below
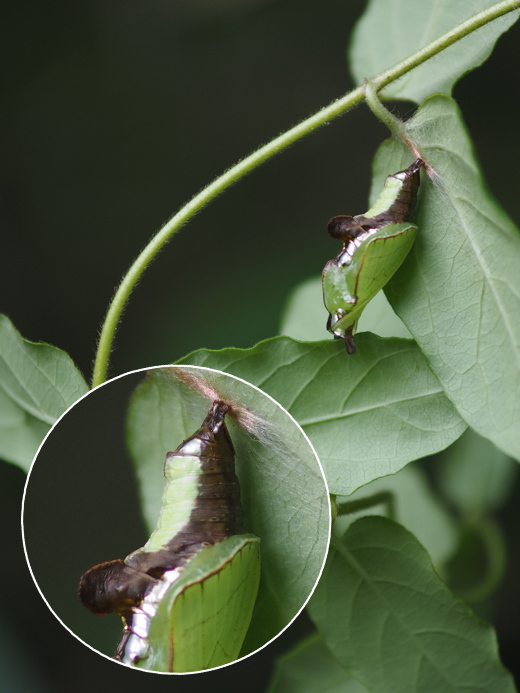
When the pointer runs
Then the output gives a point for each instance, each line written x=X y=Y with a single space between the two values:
x=231 y=491
x=255 y=433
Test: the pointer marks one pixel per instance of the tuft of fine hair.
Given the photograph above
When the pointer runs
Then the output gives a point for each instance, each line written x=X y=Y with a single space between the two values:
x=200 y=381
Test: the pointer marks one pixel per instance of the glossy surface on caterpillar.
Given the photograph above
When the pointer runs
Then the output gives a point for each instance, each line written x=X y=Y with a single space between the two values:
x=201 y=507
x=200 y=617
x=374 y=246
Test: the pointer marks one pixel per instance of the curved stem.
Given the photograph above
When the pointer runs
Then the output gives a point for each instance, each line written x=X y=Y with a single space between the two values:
x=382 y=498
x=243 y=167
x=197 y=203
x=495 y=549
x=394 y=124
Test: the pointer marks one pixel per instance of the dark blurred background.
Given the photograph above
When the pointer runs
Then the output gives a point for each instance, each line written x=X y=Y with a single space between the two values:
x=113 y=115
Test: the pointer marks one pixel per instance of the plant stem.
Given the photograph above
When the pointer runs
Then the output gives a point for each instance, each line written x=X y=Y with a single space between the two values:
x=258 y=157
x=394 y=124
x=494 y=547
x=382 y=498
x=197 y=203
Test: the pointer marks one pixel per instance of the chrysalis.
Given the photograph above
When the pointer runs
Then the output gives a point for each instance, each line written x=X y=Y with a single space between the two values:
x=199 y=535
x=374 y=247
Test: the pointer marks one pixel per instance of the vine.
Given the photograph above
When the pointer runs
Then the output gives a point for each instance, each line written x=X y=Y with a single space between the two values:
x=275 y=146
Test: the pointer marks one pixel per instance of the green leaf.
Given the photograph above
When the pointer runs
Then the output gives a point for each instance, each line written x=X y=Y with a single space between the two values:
x=458 y=291
x=304 y=316
x=283 y=492
x=38 y=382
x=388 y=618
x=389 y=32
x=367 y=415
x=416 y=507
x=20 y=433
x=310 y=668
x=476 y=476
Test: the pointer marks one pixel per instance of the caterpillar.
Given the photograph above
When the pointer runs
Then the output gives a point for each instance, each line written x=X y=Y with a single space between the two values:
x=199 y=534
x=374 y=246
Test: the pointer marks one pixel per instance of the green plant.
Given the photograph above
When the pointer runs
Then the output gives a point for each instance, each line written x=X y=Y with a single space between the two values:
x=396 y=400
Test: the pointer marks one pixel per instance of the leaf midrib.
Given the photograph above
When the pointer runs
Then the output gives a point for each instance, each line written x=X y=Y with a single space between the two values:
x=347 y=556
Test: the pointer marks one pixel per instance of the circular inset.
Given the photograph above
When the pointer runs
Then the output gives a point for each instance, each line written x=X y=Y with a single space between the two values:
x=238 y=530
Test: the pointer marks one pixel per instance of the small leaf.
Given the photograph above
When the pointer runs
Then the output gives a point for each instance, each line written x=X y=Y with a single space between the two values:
x=367 y=415
x=476 y=476
x=389 y=32
x=388 y=618
x=38 y=382
x=304 y=316
x=458 y=291
x=284 y=495
x=310 y=668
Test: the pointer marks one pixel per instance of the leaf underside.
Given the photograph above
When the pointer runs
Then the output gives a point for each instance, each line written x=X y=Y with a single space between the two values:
x=389 y=32
x=310 y=668
x=393 y=624
x=458 y=291
x=38 y=383
x=367 y=415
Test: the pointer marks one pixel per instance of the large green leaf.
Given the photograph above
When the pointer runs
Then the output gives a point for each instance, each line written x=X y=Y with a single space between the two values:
x=388 y=32
x=38 y=382
x=388 y=618
x=310 y=668
x=283 y=492
x=367 y=415
x=458 y=292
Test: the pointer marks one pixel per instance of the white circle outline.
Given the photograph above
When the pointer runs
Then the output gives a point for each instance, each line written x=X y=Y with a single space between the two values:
x=107 y=382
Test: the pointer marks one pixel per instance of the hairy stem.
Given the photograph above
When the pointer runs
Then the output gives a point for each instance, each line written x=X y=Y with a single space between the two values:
x=258 y=157
x=394 y=124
